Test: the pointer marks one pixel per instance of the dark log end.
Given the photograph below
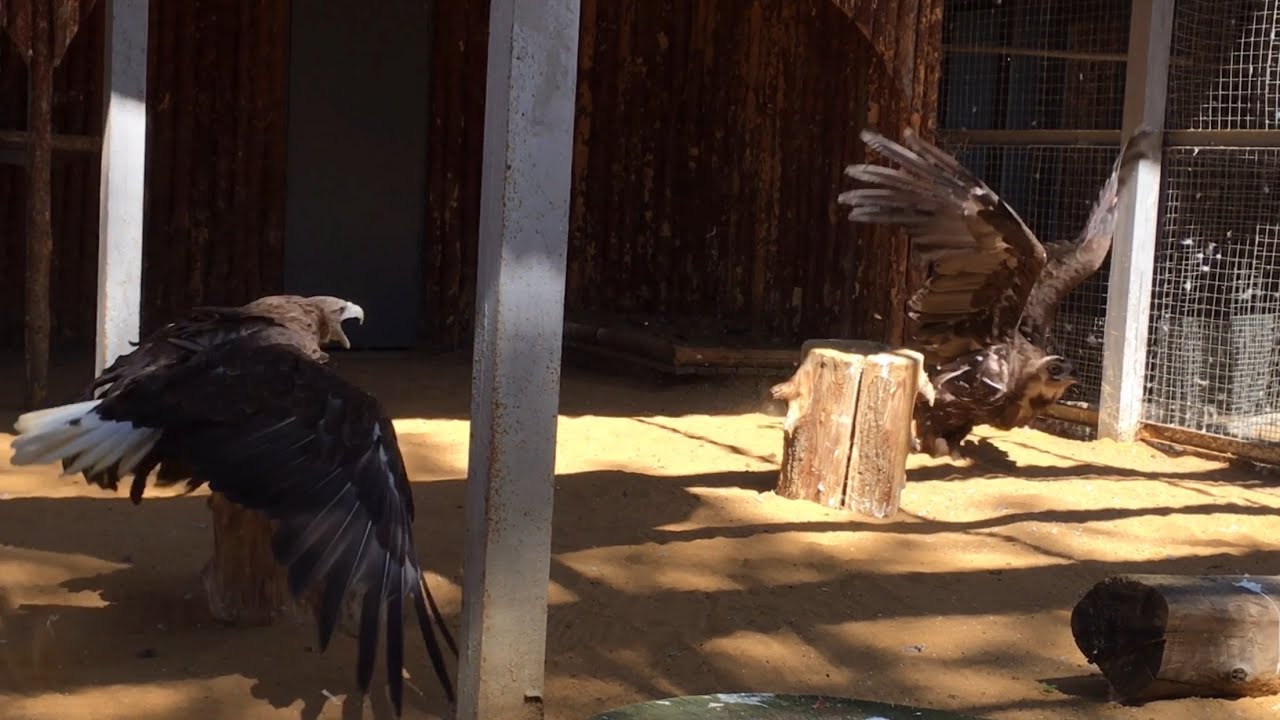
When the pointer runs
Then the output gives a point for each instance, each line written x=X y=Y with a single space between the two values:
x=1166 y=636
x=1120 y=625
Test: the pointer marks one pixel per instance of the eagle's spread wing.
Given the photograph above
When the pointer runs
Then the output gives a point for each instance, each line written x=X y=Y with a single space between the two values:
x=983 y=260
x=177 y=341
x=276 y=432
x=1071 y=263
x=173 y=345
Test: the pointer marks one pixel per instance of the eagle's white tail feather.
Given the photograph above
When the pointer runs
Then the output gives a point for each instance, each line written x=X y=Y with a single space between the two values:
x=78 y=433
x=130 y=460
x=99 y=446
x=59 y=415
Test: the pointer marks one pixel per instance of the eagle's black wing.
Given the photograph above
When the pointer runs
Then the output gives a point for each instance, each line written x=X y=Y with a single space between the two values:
x=176 y=342
x=982 y=258
x=169 y=347
x=276 y=432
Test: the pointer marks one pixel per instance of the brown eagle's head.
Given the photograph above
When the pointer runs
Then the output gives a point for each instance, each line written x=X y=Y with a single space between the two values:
x=1053 y=376
x=1050 y=378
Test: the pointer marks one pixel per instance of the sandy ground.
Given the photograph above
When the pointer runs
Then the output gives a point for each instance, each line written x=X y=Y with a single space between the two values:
x=676 y=570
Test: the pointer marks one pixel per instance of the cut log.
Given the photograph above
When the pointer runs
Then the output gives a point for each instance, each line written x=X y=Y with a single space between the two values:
x=243 y=583
x=847 y=431
x=1166 y=636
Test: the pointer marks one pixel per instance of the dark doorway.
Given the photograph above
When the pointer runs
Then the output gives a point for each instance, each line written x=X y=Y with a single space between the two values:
x=357 y=169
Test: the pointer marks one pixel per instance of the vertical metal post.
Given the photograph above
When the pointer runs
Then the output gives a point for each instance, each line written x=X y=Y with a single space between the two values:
x=524 y=227
x=124 y=148
x=1124 y=349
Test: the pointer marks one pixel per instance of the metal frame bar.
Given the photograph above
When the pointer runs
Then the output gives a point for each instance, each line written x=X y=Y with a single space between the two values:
x=124 y=151
x=1030 y=137
x=1124 y=346
x=1222 y=138
x=524 y=233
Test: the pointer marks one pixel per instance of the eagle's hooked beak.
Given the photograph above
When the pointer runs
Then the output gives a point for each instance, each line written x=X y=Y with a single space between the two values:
x=352 y=311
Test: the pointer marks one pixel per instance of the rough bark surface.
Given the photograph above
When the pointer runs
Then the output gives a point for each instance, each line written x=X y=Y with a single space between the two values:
x=243 y=583
x=1166 y=636
x=848 y=427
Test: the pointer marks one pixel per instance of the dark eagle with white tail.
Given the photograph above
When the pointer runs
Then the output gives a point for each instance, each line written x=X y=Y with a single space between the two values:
x=241 y=399
x=984 y=313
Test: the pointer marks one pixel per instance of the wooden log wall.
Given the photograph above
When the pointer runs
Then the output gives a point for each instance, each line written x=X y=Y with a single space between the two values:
x=706 y=160
x=217 y=85
x=77 y=109
x=459 y=65
x=217 y=99
x=711 y=139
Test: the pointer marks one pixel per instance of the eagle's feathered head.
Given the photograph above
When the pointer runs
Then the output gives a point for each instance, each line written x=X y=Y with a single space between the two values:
x=317 y=317
x=1042 y=384
x=335 y=311
x=1054 y=375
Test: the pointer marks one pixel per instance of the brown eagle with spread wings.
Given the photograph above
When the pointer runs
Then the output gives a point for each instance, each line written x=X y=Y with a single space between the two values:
x=984 y=313
x=241 y=399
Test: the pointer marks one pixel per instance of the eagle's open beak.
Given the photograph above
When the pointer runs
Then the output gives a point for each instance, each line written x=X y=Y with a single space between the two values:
x=352 y=312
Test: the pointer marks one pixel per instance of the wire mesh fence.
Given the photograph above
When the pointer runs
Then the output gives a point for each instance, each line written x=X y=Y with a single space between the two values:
x=1224 y=70
x=1033 y=64
x=1212 y=363
x=1012 y=68
x=1020 y=66
x=1215 y=312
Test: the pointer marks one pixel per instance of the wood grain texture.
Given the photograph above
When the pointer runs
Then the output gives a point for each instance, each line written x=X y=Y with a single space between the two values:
x=1165 y=636
x=39 y=258
x=847 y=432
x=709 y=146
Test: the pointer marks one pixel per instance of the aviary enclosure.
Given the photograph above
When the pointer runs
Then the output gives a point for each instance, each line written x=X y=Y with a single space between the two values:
x=1033 y=99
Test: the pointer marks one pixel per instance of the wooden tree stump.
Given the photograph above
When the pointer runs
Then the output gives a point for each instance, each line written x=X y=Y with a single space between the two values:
x=1165 y=636
x=847 y=433
x=243 y=583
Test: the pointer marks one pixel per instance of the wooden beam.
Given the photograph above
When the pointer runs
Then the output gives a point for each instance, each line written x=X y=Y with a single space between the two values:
x=1033 y=52
x=1022 y=138
x=124 y=151
x=1242 y=138
x=21 y=141
x=39 y=201
x=1124 y=348
x=524 y=229
x=1257 y=452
